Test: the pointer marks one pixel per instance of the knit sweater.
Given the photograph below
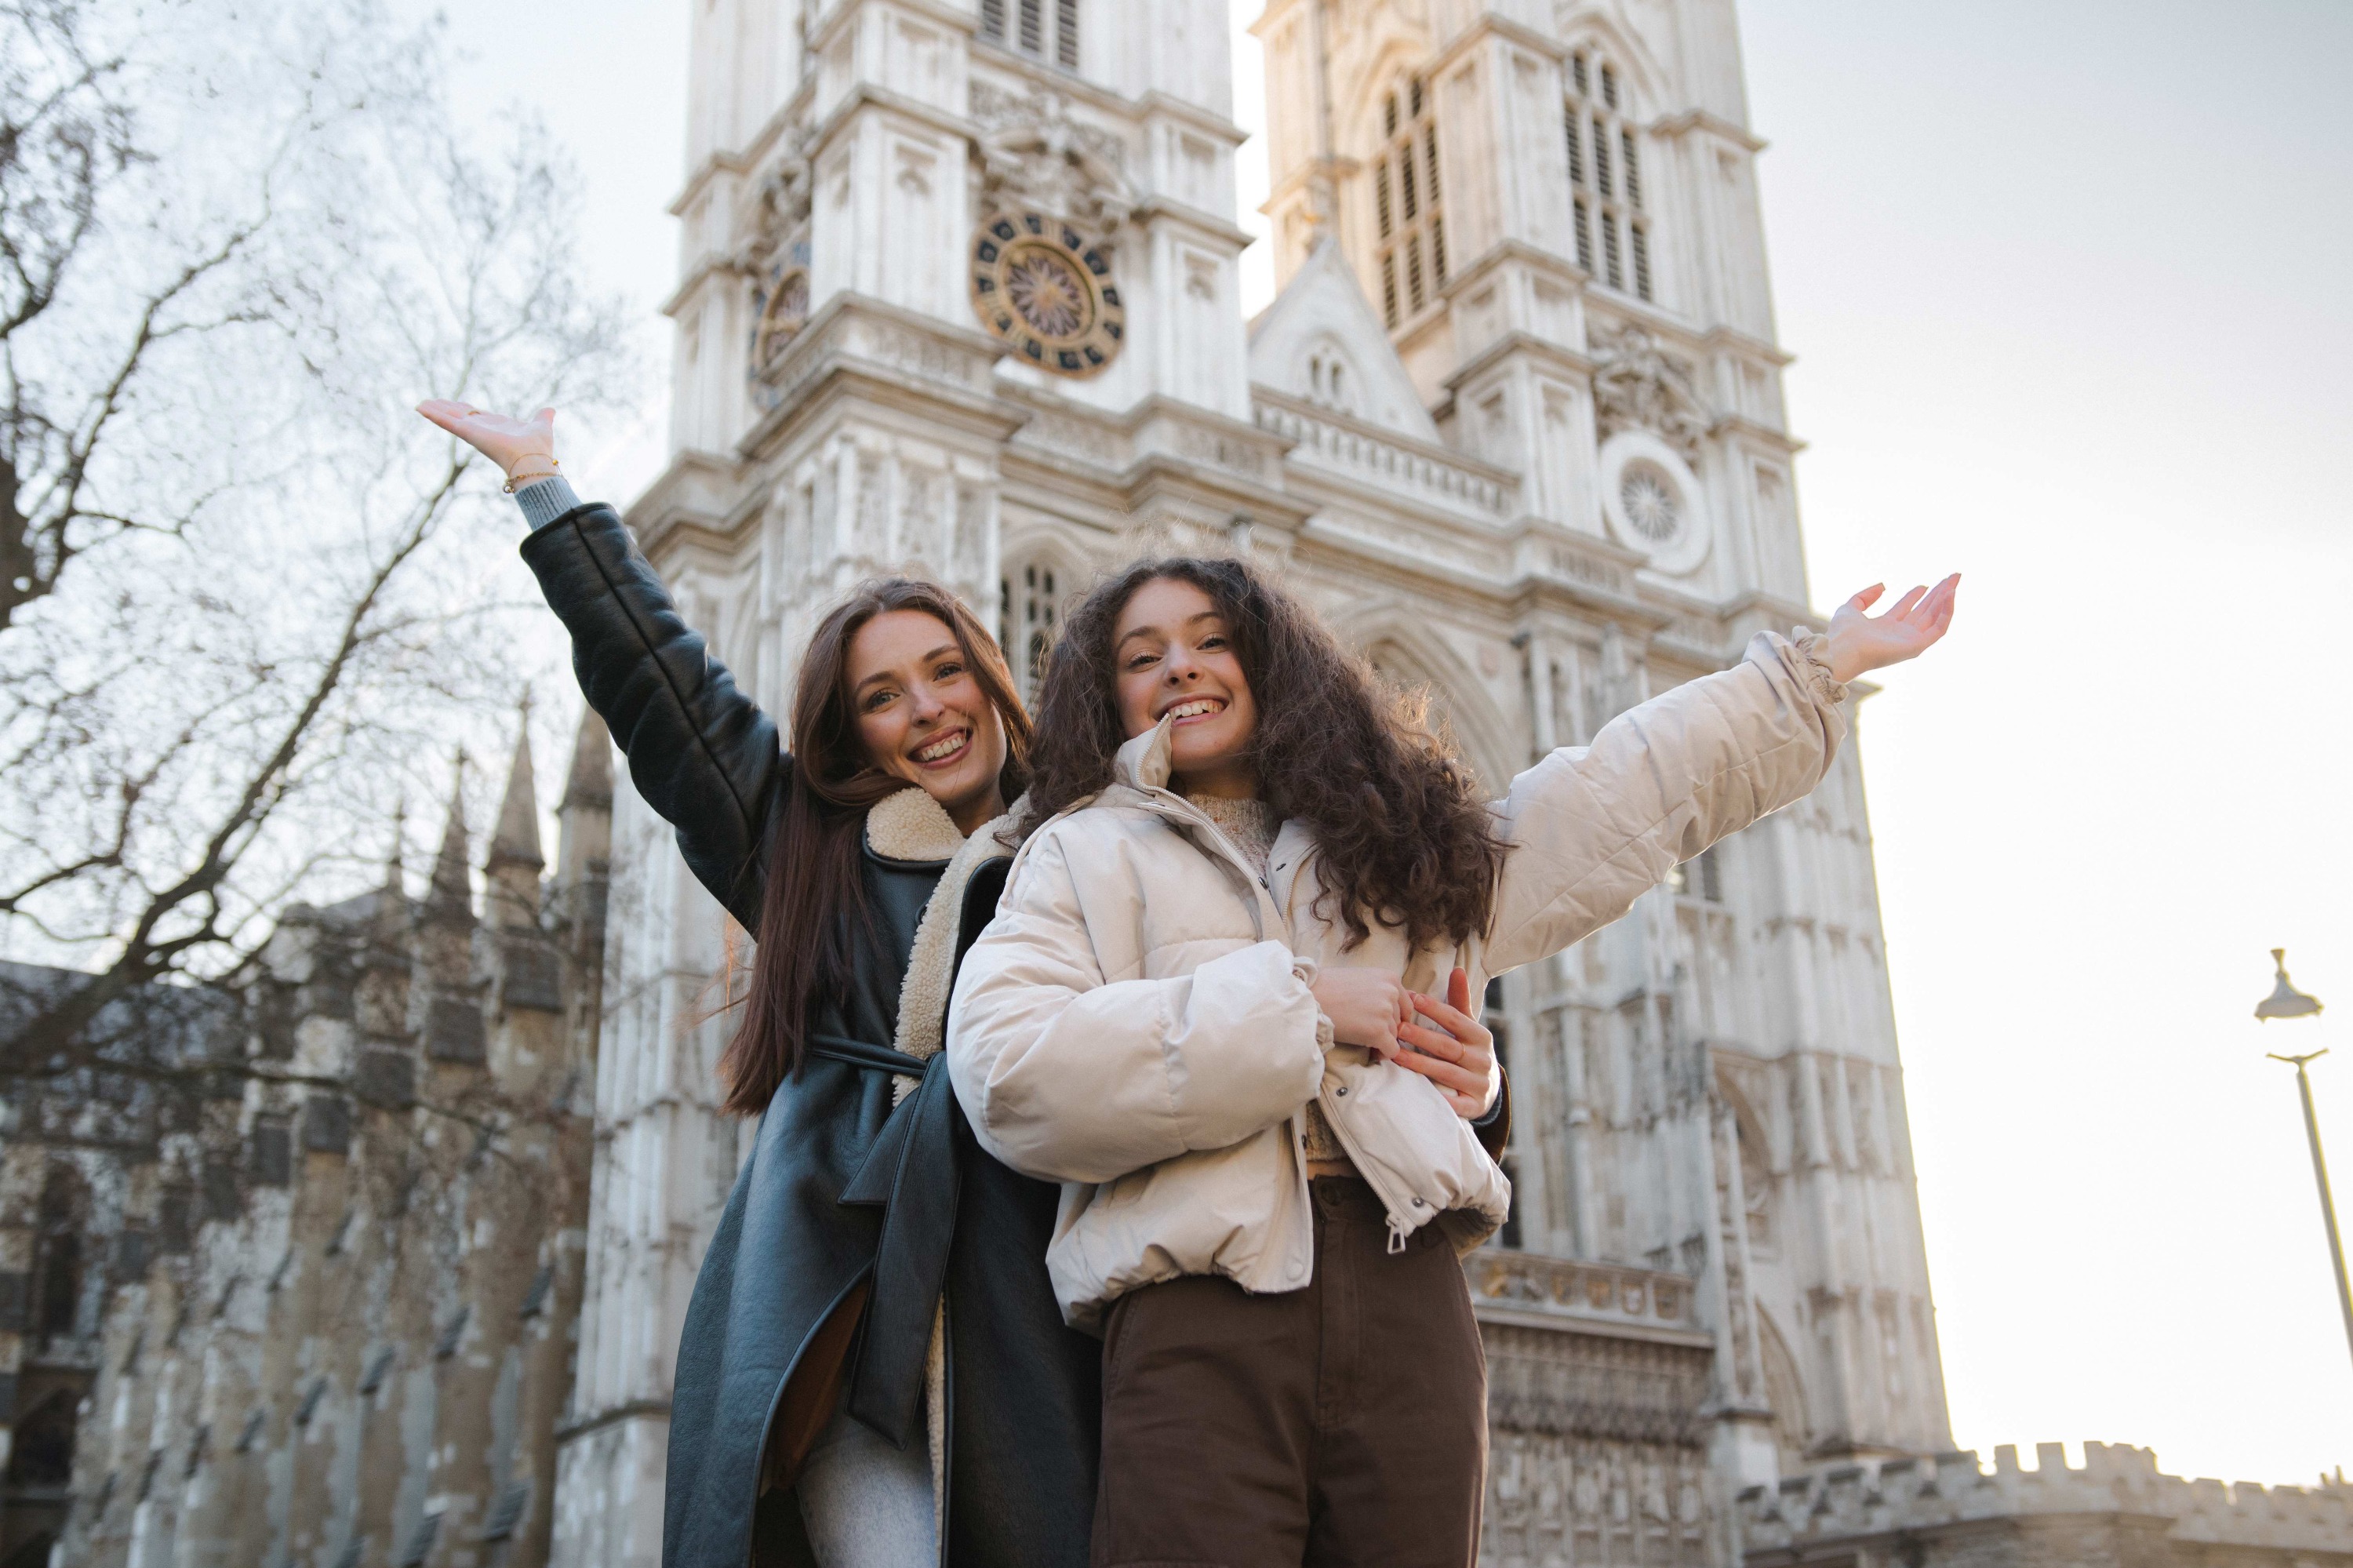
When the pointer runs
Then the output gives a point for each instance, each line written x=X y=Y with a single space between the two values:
x=545 y=500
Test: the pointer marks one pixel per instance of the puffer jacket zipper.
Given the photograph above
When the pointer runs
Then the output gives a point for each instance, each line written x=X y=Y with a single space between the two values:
x=1396 y=1197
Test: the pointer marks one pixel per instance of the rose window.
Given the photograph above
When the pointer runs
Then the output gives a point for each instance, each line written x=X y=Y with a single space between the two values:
x=1652 y=505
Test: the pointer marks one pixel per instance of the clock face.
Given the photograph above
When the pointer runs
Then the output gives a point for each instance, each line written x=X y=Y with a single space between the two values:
x=1038 y=285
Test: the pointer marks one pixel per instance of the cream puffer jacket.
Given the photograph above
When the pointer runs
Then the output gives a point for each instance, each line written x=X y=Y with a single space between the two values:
x=1136 y=1022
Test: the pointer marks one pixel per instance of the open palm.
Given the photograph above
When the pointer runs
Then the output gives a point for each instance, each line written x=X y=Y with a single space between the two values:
x=523 y=449
x=1860 y=641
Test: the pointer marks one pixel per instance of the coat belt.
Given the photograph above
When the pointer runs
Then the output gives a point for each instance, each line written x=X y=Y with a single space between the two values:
x=912 y=1175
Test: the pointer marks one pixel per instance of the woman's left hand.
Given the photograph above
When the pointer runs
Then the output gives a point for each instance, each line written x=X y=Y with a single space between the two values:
x=1459 y=1055
x=1860 y=642
x=524 y=449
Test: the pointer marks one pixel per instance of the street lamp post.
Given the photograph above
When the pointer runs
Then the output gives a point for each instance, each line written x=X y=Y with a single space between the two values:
x=2286 y=1002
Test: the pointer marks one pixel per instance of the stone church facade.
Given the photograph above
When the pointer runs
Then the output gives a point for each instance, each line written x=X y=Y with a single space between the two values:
x=959 y=295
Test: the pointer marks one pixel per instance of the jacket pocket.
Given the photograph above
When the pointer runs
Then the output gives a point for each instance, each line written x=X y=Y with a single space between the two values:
x=1410 y=1143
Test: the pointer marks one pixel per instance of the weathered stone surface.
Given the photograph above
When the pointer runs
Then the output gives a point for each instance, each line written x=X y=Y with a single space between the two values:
x=2115 y=1508
x=354 y=1342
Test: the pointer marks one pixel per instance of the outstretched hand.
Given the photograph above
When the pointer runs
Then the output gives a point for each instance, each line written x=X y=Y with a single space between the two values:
x=524 y=449
x=1859 y=641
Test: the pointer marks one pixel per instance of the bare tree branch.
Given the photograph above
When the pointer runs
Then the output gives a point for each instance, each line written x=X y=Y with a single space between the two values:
x=234 y=614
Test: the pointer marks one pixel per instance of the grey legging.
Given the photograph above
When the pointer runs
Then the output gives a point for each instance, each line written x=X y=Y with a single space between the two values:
x=866 y=1504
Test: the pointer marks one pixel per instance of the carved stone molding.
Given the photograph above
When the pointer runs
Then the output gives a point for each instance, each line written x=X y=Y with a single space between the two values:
x=1638 y=386
x=782 y=214
x=1591 y=1385
x=1556 y=1499
x=1034 y=157
x=1069 y=438
x=1597 y=1292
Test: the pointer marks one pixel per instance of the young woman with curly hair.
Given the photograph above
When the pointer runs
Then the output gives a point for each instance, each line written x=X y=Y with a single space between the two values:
x=1209 y=1006
x=872 y=1373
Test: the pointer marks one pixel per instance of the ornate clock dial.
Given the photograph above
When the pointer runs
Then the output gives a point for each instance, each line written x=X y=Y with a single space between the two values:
x=1040 y=287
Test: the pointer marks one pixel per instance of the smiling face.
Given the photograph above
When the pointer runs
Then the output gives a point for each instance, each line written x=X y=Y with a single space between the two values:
x=923 y=715
x=1175 y=656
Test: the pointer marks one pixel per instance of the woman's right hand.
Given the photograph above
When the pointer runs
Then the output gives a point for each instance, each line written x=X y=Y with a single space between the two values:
x=1860 y=642
x=1366 y=1007
x=524 y=449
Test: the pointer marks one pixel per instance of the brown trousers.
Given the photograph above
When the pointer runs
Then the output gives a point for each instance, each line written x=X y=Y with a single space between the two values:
x=1340 y=1425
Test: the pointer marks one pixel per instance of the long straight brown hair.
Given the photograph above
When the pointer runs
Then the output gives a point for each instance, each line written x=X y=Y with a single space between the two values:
x=815 y=903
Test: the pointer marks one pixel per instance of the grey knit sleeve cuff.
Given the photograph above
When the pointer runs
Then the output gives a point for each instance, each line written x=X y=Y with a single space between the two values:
x=545 y=500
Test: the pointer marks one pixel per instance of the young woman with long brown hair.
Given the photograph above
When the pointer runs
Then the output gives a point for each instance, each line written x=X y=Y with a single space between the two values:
x=872 y=1372
x=1208 y=1007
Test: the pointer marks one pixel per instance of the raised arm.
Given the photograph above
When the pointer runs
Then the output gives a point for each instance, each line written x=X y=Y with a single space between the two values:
x=702 y=753
x=1590 y=829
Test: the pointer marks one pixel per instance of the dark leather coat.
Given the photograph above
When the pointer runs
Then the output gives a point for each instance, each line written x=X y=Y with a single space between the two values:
x=840 y=1188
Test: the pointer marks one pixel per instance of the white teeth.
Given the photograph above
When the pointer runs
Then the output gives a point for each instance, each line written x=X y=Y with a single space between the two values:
x=1186 y=710
x=940 y=749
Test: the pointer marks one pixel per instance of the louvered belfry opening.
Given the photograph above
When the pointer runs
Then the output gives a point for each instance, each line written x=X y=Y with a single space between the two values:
x=1034 y=27
x=1408 y=222
x=1028 y=609
x=1609 y=227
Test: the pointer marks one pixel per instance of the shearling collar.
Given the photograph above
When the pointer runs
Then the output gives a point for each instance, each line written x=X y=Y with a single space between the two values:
x=911 y=825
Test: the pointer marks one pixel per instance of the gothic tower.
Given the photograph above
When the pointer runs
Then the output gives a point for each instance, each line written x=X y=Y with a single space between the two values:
x=958 y=296
x=1550 y=209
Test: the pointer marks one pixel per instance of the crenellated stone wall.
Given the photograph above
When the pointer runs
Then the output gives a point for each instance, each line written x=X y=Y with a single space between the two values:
x=1948 y=1511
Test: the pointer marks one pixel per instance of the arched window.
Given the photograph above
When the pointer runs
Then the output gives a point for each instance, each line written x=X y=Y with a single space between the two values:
x=1605 y=178
x=1412 y=229
x=1029 y=603
x=1756 y=1183
x=1784 y=1391
x=42 y=1455
x=57 y=1263
x=1040 y=29
x=1331 y=383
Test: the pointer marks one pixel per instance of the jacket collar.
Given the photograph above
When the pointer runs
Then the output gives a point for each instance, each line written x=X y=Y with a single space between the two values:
x=910 y=825
x=1144 y=762
x=1141 y=768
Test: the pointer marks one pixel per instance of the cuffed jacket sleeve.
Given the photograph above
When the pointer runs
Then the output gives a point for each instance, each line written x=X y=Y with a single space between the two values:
x=1590 y=829
x=701 y=752
x=1066 y=1075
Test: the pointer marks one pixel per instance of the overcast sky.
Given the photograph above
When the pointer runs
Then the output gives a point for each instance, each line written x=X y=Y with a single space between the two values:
x=2067 y=289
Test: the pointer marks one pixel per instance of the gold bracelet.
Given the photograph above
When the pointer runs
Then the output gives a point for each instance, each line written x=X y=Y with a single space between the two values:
x=516 y=480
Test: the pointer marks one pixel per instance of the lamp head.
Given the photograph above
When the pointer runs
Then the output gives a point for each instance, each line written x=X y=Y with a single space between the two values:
x=2285 y=1000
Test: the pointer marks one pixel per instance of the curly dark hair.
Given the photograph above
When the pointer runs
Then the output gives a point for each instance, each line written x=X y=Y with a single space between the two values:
x=1404 y=838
